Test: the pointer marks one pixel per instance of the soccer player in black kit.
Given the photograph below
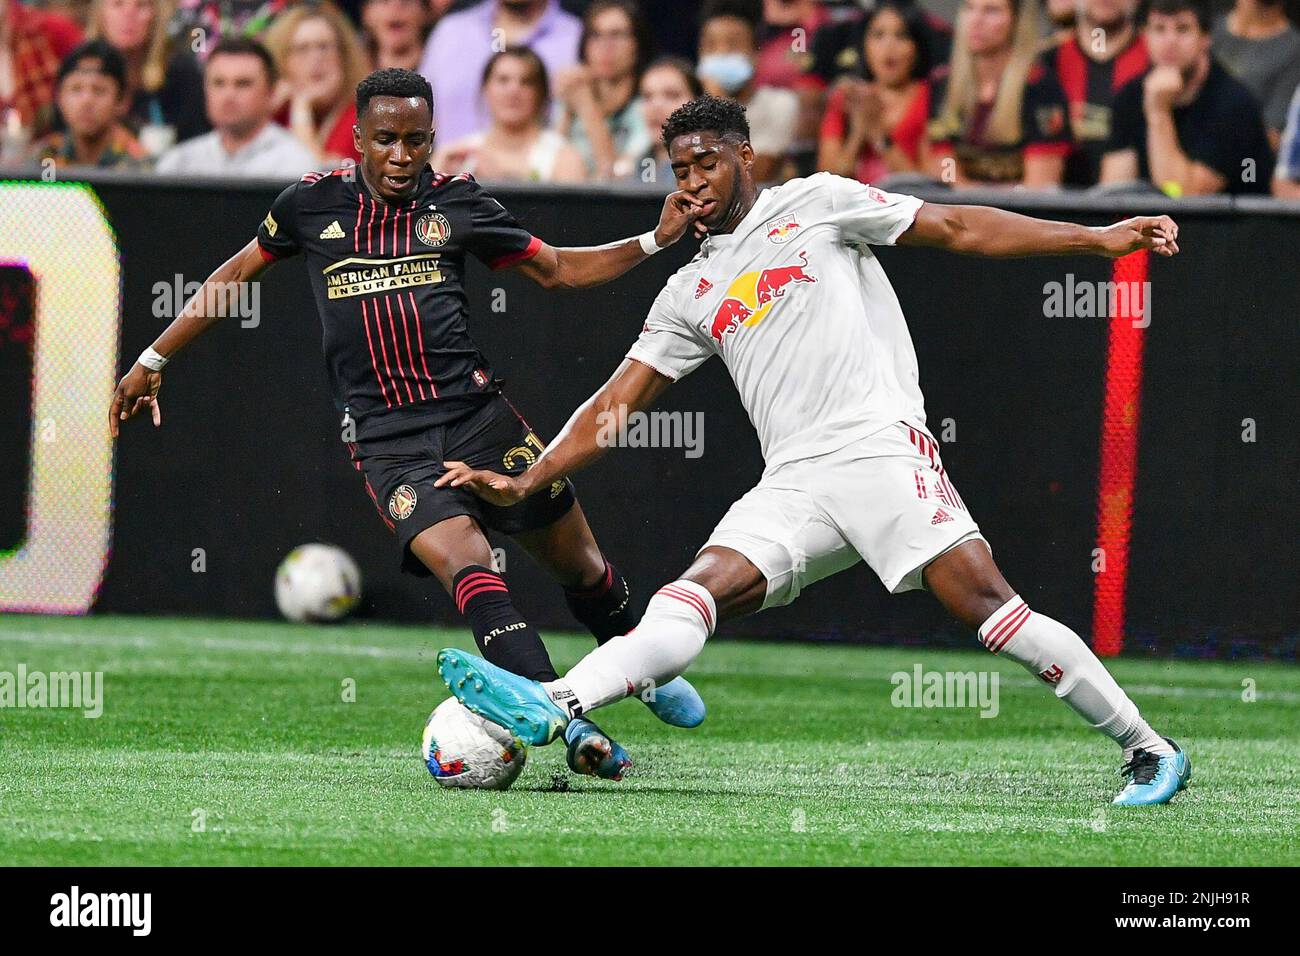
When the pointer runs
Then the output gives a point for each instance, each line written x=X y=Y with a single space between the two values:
x=386 y=256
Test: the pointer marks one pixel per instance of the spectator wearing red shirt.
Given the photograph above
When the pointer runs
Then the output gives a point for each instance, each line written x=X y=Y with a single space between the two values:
x=321 y=60
x=1102 y=53
x=875 y=123
x=32 y=45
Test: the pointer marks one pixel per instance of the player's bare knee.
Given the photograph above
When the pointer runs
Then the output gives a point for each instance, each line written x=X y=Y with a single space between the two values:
x=737 y=585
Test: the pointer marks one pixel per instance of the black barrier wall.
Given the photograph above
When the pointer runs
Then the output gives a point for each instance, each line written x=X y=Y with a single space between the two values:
x=249 y=463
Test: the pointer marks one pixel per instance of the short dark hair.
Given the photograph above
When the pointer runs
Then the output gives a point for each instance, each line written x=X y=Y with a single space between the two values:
x=246 y=46
x=404 y=84
x=1170 y=8
x=712 y=114
x=751 y=11
x=110 y=62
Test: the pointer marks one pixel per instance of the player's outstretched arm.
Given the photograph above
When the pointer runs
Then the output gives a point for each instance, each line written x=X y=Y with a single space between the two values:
x=986 y=231
x=584 y=266
x=588 y=433
x=138 y=389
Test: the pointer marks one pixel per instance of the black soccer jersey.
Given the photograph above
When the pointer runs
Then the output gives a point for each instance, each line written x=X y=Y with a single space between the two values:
x=389 y=286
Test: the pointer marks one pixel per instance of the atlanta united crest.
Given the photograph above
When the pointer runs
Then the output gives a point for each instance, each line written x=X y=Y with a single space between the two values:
x=433 y=229
x=402 y=502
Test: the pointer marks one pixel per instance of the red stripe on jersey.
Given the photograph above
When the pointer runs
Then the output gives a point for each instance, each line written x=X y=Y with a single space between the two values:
x=356 y=230
x=409 y=215
x=1130 y=64
x=383 y=350
x=382 y=223
x=534 y=246
x=406 y=333
x=370 y=225
x=374 y=364
x=266 y=254
x=419 y=340
x=371 y=491
x=397 y=353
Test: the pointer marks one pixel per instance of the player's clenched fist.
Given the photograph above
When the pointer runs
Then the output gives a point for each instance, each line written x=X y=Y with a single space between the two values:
x=491 y=487
x=1158 y=234
x=137 y=390
x=681 y=208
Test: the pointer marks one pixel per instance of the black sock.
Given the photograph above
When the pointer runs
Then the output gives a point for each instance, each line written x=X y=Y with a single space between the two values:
x=606 y=609
x=501 y=633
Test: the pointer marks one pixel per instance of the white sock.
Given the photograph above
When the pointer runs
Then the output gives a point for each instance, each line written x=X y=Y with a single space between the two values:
x=677 y=622
x=1058 y=656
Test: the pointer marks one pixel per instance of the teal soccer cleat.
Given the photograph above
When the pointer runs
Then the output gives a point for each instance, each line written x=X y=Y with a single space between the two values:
x=677 y=703
x=1154 y=779
x=592 y=752
x=519 y=705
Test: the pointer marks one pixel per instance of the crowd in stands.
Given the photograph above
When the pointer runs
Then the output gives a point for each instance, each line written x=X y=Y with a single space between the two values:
x=1182 y=96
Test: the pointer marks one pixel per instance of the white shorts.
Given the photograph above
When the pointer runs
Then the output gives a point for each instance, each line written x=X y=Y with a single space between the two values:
x=884 y=499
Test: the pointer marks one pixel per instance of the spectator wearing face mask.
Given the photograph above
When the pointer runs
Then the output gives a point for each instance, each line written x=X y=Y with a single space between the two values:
x=728 y=56
x=91 y=92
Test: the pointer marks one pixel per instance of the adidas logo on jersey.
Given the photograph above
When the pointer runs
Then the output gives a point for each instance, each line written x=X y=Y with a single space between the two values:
x=940 y=516
x=333 y=231
x=704 y=286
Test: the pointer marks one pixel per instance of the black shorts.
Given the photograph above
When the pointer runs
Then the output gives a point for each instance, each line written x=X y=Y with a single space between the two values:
x=400 y=471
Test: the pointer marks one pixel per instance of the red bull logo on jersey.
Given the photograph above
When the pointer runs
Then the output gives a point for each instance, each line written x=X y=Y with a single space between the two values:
x=783 y=229
x=752 y=295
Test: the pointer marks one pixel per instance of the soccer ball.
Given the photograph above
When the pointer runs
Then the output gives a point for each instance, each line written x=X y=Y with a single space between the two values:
x=317 y=582
x=462 y=749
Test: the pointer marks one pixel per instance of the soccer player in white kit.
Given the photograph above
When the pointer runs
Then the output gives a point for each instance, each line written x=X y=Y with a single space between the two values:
x=785 y=289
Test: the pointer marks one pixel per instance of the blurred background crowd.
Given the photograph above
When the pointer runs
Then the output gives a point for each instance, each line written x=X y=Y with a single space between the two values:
x=1187 y=97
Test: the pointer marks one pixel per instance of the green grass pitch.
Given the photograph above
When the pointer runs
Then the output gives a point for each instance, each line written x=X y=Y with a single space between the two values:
x=231 y=743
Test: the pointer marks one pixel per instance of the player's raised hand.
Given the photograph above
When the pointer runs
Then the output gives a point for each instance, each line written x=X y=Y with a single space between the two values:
x=1158 y=234
x=493 y=488
x=138 y=390
x=681 y=209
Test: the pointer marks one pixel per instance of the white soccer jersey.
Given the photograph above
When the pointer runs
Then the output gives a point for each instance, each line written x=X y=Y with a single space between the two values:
x=801 y=313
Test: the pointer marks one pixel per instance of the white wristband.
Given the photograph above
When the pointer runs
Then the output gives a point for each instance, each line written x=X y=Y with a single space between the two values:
x=648 y=244
x=152 y=360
